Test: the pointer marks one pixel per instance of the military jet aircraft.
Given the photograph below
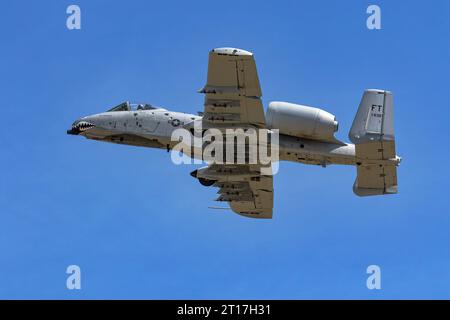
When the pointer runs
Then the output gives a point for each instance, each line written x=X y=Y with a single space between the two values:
x=233 y=100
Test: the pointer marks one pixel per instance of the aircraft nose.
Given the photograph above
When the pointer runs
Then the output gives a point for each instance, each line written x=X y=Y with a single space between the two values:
x=73 y=129
x=79 y=126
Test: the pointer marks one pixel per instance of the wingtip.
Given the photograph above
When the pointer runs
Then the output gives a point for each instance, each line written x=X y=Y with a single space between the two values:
x=231 y=51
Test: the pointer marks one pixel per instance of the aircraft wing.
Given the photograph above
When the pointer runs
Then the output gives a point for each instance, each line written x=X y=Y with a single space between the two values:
x=248 y=191
x=232 y=100
x=232 y=92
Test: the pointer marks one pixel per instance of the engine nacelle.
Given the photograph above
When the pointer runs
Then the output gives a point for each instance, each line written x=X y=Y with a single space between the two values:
x=301 y=121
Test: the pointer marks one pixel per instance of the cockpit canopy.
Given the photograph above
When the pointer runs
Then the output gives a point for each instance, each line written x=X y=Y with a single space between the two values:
x=127 y=106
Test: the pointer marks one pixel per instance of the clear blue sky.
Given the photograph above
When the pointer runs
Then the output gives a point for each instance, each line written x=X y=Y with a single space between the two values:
x=139 y=226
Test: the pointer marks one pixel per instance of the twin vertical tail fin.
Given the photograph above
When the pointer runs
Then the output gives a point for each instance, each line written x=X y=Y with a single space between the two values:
x=372 y=133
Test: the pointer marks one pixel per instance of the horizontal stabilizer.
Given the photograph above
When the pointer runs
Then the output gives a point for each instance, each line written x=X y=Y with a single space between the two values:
x=375 y=180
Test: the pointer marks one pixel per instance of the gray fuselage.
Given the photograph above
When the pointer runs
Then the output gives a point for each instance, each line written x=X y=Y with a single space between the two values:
x=153 y=128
